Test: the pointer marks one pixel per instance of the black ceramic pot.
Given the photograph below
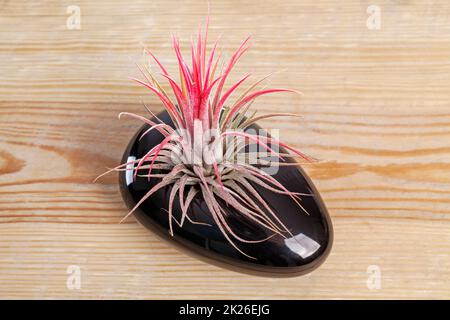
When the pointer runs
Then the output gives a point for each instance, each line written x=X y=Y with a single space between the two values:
x=306 y=250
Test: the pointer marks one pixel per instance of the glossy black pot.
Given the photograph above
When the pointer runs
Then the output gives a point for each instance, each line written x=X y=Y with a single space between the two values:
x=300 y=254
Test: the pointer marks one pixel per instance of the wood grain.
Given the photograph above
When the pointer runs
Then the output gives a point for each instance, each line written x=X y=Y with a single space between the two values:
x=376 y=109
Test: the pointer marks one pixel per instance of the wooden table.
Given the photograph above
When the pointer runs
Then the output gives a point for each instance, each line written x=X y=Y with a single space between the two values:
x=376 y=110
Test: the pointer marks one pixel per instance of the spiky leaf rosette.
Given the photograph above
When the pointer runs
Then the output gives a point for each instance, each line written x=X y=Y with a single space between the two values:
x=202 y=154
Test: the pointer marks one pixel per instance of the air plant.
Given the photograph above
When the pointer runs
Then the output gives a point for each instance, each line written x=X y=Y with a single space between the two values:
x=199 y=155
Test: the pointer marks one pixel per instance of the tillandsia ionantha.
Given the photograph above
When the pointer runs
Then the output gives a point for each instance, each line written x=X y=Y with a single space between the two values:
x=201 y=154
